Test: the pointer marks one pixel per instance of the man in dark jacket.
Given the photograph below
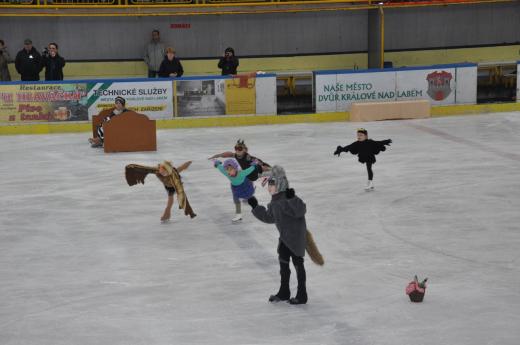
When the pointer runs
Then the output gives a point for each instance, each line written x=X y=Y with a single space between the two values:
x=171 y=66
x=229 y=62
x=53 y=63
x=28 y=62
x=287 y=212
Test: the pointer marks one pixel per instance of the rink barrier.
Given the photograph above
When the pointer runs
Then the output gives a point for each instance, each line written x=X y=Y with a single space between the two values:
x=251 y=120
x=447 y=84
x=399 y=110
x=195 y=122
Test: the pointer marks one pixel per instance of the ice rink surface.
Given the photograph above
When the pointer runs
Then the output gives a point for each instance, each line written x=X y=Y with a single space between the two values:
x=84 y=258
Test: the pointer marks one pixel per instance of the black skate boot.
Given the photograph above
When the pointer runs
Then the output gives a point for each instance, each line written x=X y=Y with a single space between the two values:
x=301 y=295
x=284 y=293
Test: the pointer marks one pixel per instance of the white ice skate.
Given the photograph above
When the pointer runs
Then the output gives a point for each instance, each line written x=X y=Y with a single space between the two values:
x=237 y=218
x=370 y=186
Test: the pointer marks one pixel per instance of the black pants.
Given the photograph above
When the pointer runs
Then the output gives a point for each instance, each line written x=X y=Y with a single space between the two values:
x=369 y=171
x=284 y=256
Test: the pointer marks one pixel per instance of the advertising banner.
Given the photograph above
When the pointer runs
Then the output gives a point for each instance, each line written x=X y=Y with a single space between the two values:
x=152 y=98
x=444 y=84
x=200 y=97
x=43 y=102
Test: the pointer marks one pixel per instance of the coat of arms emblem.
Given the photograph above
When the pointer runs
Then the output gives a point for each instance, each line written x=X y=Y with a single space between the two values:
x=439 y=85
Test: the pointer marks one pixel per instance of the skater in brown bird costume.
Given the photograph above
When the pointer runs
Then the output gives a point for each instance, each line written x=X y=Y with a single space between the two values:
x=171 y=179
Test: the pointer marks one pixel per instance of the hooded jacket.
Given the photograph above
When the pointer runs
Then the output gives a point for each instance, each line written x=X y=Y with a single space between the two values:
x=228 y=65
x=289 y=217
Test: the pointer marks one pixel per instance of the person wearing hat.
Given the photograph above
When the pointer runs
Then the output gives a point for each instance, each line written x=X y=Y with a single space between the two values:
x=366 y=149
x=171 y=66
x=28 y=62
x=287 y=212
x=245 y=160
x=241 y=186
x=229 y=62
x=119 y=109
x=171 y=179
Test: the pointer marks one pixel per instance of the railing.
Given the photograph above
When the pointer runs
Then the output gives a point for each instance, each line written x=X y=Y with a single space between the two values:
x=349 y=4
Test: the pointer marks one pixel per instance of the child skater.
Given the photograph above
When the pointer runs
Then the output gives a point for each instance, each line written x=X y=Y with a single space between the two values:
x=245 y=160
x=366 y=149
x=241 y=186
x=171 y=179
x=287 y=212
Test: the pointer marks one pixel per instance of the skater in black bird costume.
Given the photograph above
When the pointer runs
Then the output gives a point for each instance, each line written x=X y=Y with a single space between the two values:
x=366 y=149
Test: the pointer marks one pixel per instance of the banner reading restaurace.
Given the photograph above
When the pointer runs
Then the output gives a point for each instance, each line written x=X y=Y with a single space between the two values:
x=154 y=99
x=43 y=102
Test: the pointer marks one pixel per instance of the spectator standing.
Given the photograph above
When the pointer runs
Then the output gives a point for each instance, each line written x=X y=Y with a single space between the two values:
x=171 y=66
x=229 y=62
x=28 y=62
x=5 y=58
x=53 y=63
x=154 y=54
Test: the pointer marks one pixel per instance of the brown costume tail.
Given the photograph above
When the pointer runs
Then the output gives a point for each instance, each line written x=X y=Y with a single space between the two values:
x=313 y=251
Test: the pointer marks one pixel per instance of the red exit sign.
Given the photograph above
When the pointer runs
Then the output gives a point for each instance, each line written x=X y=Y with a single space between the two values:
x=180 y=26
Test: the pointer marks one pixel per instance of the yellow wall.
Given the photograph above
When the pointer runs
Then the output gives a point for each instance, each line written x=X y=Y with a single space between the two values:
x=125 y=69
x=442 y=56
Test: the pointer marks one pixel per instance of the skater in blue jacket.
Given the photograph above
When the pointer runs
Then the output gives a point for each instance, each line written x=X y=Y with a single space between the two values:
x=241 y=186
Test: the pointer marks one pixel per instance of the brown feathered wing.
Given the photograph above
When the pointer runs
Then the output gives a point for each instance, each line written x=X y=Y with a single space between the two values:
x=136 y=173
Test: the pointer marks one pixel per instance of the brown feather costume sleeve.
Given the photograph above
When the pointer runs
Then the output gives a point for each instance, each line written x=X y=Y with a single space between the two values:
x=175 y=180
x=135 y=173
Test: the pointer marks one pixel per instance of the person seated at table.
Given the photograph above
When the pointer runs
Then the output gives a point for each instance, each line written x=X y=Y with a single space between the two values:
x=119 y=109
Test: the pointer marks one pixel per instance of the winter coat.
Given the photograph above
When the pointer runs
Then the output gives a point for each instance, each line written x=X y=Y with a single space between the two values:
x=29 y=64
x=366 y=149
x=168 y=67
x=289 y=217
x=53 y=67
x=154 y=55
x=228 y=65
x=4 y=60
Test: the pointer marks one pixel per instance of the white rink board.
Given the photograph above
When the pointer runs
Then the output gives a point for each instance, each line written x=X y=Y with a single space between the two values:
x=265 y=95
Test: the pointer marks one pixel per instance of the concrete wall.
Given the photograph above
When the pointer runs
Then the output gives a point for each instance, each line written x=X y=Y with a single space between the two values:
x=125 y=37
x=453 y=26
x=101 y=38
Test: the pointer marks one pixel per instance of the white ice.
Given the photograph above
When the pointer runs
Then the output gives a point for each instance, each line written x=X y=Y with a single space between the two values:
x=84 y=258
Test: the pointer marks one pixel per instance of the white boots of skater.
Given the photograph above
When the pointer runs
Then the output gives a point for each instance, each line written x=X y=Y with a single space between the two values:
x=370 y=186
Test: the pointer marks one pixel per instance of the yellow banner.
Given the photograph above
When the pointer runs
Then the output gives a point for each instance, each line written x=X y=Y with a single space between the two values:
x=241 y=95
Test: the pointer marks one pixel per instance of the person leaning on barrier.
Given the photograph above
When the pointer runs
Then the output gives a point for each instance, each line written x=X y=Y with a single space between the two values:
x=28 y=62
x=154 y=54
x=229 y=62
x=53 y=63
x=119 y=109
x=5 y=58
x=171 y=66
